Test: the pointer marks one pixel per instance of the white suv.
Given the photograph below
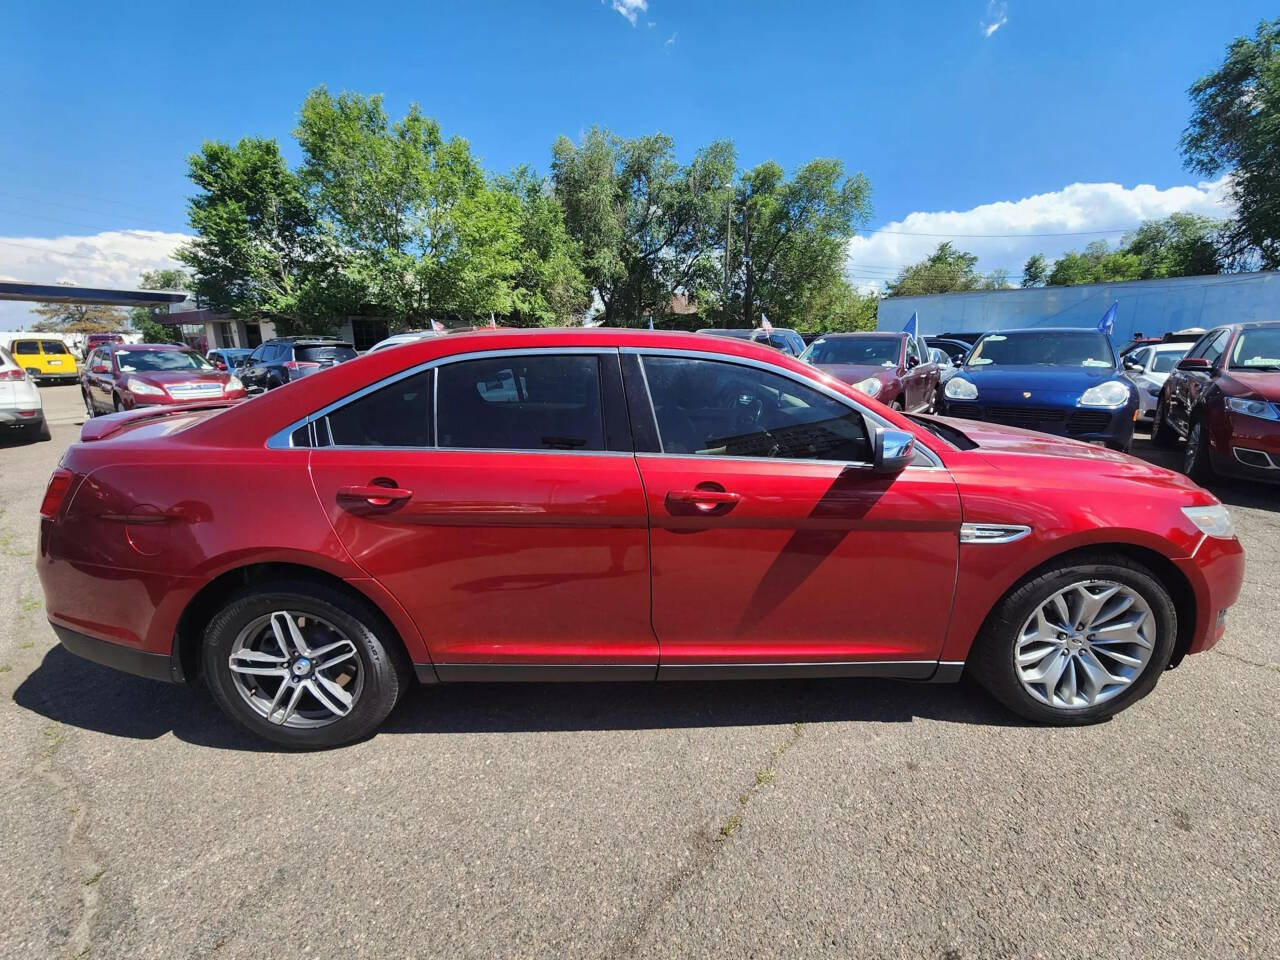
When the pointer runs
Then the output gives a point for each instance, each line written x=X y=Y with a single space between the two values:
x=20 y=407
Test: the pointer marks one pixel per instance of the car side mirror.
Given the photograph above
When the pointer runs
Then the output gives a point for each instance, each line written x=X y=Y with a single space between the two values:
x=1194 y=363
x=892 y=450
x=1132 y=365
x=101 y=368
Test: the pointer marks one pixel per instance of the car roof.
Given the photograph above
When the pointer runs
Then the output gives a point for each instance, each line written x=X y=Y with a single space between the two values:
x=147 y=346
x=1043 y=330
x=1257 y=324
x=850 y=334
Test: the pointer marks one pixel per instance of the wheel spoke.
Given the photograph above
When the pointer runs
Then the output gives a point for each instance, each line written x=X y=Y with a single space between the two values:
x=1117 y=655
x=1031 y=654
x=331 y=696
x=292 y=705
x=1091 y=604
x=1069 y=681
x=1127 y=632
x=287 y=633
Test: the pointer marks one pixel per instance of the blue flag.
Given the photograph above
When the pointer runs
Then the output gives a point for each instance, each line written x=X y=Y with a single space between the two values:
x=1107 y=324
x=912 y=325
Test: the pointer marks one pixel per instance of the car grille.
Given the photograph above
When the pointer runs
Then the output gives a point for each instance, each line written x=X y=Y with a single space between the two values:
x=1045 y=419
x=194 y=391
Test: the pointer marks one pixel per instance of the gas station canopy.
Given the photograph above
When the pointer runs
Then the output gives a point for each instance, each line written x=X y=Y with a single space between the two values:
x=58 y=293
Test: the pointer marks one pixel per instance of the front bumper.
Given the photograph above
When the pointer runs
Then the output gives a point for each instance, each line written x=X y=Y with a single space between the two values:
x=1089 y=424
x=1253 y=449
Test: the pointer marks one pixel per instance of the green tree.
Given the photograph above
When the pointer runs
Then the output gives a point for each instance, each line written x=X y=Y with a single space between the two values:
x=145 y=319
x=946 y=270
x=838 y=308
x=1235 y=128
x=78 y=318
x=1034 y=271
x=1180 y=245
x=789 y=241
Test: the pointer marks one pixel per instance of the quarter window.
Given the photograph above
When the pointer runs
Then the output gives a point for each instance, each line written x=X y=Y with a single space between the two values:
x=397 y=415
x=714 y=408
x=521 y=403
x=1216 y=347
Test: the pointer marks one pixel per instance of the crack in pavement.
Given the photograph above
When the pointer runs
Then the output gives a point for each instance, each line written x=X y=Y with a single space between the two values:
x=1261 y=665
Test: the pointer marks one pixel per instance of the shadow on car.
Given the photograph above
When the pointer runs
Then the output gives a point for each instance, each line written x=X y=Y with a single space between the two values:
x=79 y=693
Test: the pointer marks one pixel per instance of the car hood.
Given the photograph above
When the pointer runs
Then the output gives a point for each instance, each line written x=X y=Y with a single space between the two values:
x=163 y=378
x=1253 y=385
x=1003 y=384
x=852 y=372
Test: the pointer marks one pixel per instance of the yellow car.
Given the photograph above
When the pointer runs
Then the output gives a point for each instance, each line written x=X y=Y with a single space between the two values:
x=44 y=358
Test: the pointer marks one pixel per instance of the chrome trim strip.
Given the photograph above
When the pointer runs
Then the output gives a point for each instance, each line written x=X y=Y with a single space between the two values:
x=543 y=672
x=1270 y=460
x=949 y=671
x=887 y=669
x=992 y=532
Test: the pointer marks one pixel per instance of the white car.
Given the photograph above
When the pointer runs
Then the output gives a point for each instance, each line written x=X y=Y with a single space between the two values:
x=1148 y=368
x=20 y=406
x=400 y=338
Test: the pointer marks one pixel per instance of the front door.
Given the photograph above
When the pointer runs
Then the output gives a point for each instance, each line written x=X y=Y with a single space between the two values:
x=773 y=542
x=510 y=523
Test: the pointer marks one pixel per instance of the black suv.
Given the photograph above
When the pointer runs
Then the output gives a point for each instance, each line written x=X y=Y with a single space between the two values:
x=276 y=362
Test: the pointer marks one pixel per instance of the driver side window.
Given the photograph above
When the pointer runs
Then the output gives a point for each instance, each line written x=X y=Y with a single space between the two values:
x=717 y=408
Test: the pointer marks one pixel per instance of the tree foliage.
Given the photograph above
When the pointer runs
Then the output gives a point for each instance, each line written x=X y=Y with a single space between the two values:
x=1180 y=245
x=144 y=319
x=78 y=318
x=946 y=270
x=1034 y=271
x=1235 y=128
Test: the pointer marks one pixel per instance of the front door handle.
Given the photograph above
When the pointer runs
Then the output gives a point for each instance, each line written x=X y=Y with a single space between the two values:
x=375 y=495
x=706 y=498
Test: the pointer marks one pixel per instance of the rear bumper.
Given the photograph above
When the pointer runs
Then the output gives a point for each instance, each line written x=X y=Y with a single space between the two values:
x=141 y=663
x=13 y=417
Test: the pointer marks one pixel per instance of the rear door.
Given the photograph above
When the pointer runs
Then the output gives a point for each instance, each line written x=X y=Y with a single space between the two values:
x=513 y=525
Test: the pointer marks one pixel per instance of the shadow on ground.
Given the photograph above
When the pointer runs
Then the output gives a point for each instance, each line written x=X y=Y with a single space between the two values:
x=1231 y=491
x=79 y=693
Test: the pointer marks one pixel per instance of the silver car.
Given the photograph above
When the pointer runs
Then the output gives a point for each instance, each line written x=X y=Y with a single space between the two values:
x=1148 y=368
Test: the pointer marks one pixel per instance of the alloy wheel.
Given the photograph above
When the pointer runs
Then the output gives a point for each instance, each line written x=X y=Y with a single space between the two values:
x=296 y=669
x=1085 y=644
x=1192 y=450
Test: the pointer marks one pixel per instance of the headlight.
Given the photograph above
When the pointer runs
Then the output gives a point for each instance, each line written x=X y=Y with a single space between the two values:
x=1215 y=520
x=958 y=389
x=870 y=386
x=233 y=383
x=1253 y=408
x=1113 y=393
x=141 y=387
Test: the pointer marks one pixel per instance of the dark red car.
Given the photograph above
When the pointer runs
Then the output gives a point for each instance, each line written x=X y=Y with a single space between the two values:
x=1224 y=399
x=894 y=368
x=615 y=505
x=122 y=376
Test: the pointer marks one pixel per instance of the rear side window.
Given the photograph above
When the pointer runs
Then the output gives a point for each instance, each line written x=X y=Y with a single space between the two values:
x=27 y=347
x=55 y=347
x=713 y=408
x=337 y=354
x=397 y=415
x=521 y=403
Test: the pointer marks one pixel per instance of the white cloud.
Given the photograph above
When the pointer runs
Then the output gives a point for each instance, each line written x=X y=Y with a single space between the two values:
x=671 y=41
x=1005 y=233
x=115 y=258
x=997 y=16
x=631 y=9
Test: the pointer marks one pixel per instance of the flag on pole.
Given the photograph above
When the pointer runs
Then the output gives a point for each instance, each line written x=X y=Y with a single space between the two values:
x=651 y=321
x=1107 y=324
x=493 y=324
x=913 y=325
x=437 y=326
x=765 y=325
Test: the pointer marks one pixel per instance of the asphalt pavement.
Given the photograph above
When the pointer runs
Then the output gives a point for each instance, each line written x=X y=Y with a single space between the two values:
x=809 y=818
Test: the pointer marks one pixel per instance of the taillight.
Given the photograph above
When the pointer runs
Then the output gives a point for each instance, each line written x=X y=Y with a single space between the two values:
x=59 y=484
x=295 y=365
x=14 y=374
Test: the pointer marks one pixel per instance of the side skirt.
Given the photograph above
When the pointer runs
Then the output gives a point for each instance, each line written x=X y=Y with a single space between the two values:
x=926 y=670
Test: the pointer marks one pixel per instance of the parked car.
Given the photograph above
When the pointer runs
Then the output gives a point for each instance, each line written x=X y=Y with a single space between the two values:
x=95 y=340
x=780 y=338
x=1186 y=336
x=895 y=368
x=613 y=504
x=122 y=376
x=228 y=358
x=1147 y=368
x=276 y=362
x=1224 y=399
x=1061 y=381
x=20 y=405
x=45 y=359
x=396 y=339
x=956 y=350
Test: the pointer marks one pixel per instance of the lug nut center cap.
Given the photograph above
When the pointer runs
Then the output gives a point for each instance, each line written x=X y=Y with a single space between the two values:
x=301 y=667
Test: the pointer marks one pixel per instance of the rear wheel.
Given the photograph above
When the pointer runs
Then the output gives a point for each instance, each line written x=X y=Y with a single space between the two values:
x=1195 y=457
x=89 y=410
x=1162 y=435
x=117 y=403
x=303 y=665
x=1078 y=643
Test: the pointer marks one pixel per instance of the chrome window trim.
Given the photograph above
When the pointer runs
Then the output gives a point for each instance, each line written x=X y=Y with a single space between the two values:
x=871 y=416
x=992 y=532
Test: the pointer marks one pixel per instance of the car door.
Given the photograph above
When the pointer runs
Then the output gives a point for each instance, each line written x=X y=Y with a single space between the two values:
x=773 y=542
x=252 y=376
x=915 y=379
x=516 y=534
x=1192 y=384
x=89 y=378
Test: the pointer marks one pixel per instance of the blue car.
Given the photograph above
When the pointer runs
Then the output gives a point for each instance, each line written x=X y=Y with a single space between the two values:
x=1062 y=381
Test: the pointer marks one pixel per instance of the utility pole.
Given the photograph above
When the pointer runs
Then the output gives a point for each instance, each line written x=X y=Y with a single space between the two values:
x=728 y=254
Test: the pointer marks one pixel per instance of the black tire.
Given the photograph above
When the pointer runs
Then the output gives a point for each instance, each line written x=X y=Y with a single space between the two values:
x=1162 y=435
x=387 y=672
x=1195 y=458
x=90 y=411
x=1121 y=447
x=898 y=405
x=40 y=431
x=116 y=403
x=992 y=659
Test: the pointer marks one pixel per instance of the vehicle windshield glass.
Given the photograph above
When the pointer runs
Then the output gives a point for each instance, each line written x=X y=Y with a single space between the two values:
x=1166 y=360
x=857 y=351
x=1033 y=348
x=1257 y=350
x=315 y=354
x=133 y=361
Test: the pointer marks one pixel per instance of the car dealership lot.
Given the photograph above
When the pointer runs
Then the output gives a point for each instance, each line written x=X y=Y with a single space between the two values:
x=850 y=818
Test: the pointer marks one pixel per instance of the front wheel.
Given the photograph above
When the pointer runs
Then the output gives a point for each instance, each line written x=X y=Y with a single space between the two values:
x=1078 y=643
x=303 y=665
x=1195 y=457
x=89 y=410
x=1162 y=435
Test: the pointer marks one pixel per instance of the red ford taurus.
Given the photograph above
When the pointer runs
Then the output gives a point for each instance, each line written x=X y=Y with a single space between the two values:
x=596 y=505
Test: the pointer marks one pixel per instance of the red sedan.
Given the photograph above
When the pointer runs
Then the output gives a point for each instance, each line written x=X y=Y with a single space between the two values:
x=122 y=376
x=894 y=368
x=604 y=504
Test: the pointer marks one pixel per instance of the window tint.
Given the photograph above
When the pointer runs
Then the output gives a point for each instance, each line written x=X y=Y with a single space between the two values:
x=56 y=347
x=521 y=403
x=337 y=352
x=26 y=347
x=257 y=355
x=913 y=349
x=398 y=415
x=725 y=409
x=1216 y=346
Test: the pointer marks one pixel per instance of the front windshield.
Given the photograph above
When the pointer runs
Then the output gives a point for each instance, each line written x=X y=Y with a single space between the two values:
x=856 y=351
x=1257 y=350
x=1033 y=348
x=133 y=361
x=1166 y=360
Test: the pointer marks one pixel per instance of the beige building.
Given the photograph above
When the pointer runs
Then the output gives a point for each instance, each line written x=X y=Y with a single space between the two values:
x=205 y=330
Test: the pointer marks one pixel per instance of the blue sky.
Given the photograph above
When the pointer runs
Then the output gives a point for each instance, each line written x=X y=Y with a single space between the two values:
x=102 y=104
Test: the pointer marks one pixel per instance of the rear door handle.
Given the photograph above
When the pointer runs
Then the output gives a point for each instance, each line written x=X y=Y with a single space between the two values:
x=374 y=495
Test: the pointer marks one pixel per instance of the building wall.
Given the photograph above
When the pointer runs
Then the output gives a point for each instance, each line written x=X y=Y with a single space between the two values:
x=1153 y=307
